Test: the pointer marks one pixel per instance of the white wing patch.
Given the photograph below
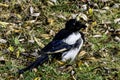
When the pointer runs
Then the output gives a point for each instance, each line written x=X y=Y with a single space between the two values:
x=72 y=38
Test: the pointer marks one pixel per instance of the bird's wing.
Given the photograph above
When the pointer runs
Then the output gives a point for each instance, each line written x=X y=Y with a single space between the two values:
x=56 y=46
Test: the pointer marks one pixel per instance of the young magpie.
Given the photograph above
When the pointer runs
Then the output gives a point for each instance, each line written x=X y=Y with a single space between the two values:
x=65 y=45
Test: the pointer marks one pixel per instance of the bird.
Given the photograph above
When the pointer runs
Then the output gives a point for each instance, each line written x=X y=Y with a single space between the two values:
x=65 y=45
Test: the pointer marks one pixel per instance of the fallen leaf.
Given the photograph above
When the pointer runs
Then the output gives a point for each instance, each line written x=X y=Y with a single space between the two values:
x=30 y=21
x=90 y=11
x=3 y=5
x=35 y=69
x=18 y=16
x=54 y=1
x=91 y=59
x=60 y=62
x=49 y=2
x=31 y=41
x=3 y=24
x=35 y=14
x=17 y=31
x=37 y=78
x=94 y=23
x=11 y=48
x=38 y=41
x=34 y=54
x=106 y=22
x=116 y=5
x=79 y=63
x=83 y=16
x=62 y=17
x=31 y=10
x=50 y=21
x=11 y=77
x=82 y=53
x=84 y=7
x=52 y=33
x=106 y=8
x=21 y=76
x=117 y=39
x=66 y=68
x=6 y=24
x=117 y=20
x=46 y=36
x=3 y=40
x=97 y=36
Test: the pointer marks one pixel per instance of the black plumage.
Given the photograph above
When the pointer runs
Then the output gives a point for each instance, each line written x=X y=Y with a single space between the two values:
x=65 y=42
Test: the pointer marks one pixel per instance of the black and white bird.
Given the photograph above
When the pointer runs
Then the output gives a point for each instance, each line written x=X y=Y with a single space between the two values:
x=65 y=45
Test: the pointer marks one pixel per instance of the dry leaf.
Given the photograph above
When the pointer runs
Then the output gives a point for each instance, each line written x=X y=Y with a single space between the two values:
x=31 y=41
x=83 y=16
x=6 y=24
x=61 y=62
x=117 y=39
x=18 y=16
x=50 y=21
x=49 y=2
x=117 y=20
x=82 y=53
x=11 y=48
x=66 y=68
x=3 y=24
x=37 y=78
x=3 y=5
x=17 y=31
x=53 y=1
x=30 y=21
x=31 y=10
x=79 y=63
x=91 y=59
x=21 y=76
x=46 y=36
x=116 y=5
x=62 y=17
x=106 y=8
x=106 y=22
x=11 y=77
x=96 y=36
x=35 y=70
x=90 y=11
x=3 y=40
x=84 y=7
x=38 y=41
x=94 y=23
x=35 y=14
x=52 y=33
x=86 y=64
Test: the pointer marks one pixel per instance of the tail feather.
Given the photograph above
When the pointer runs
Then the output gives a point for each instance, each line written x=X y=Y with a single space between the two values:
x=39 y=61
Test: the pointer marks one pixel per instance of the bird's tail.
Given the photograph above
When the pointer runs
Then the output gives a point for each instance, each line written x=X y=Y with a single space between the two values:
x=39 y=61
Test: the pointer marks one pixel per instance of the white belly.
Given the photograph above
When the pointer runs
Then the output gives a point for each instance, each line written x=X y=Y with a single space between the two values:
x=71 y=54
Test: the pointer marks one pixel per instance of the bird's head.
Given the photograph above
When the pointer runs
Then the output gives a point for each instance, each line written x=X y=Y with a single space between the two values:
x=74 y=25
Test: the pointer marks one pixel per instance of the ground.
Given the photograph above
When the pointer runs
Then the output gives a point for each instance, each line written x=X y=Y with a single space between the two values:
x=26 y=26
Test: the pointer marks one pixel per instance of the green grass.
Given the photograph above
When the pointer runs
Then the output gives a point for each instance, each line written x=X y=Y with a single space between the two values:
x=102 y=58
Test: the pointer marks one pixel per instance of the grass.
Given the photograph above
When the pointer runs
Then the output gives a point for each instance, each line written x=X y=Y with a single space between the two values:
x=102 y=53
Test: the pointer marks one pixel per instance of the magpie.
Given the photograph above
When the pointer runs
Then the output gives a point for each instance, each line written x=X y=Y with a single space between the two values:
x=64 y=46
